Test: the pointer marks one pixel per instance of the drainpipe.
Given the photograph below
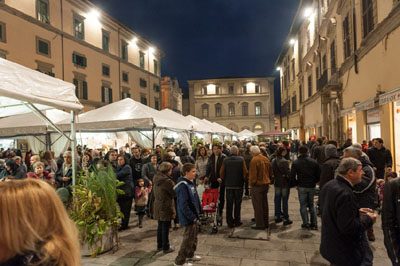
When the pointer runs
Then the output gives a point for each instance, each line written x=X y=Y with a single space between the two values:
x=355 y=38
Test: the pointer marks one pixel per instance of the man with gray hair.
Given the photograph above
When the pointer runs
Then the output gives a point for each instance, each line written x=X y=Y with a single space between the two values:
x=260 y=174
x=365 y=190
x=343 y=222
x=233 y=172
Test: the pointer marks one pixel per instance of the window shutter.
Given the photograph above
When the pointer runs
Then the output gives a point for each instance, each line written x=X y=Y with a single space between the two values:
x=76 y=83
x=110 y=99
x=85 y=91
x=84 y=61
x=103 y=94
x=74 y=58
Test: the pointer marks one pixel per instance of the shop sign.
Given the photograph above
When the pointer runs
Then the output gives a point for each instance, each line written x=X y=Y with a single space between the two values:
x=369 y=104
x=346 y=111
x=373 y=116
x=389 y=97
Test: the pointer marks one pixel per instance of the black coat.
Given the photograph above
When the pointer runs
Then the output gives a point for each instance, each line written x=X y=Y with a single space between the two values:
x=342 y=226
x=234 y=172
x=391 y=219
x=365 y=191
x=306 y=170
x=124 y=174
x=381 y=159
x=212 y=173
x=319 y=154
x=328 y=169
x=281 y=169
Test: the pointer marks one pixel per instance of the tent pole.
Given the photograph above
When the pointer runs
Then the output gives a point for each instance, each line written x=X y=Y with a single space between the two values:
x=48 y=141
x=73 y=147
x=154 y=140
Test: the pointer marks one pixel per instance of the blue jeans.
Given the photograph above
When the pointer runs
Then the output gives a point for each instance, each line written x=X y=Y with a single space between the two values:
x=281 y=202
x=306 y=198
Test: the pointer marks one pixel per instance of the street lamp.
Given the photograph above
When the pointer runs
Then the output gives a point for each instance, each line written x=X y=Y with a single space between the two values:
x=292 y=41
x=278 y=69
x=308 y=12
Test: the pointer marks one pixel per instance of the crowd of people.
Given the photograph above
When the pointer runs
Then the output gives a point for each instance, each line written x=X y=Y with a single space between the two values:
x=347 y=183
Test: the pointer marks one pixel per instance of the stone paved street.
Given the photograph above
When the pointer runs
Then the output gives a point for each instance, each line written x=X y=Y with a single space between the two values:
x=288 y=246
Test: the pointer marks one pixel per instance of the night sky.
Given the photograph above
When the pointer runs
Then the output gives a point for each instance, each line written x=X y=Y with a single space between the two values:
x=210 y=38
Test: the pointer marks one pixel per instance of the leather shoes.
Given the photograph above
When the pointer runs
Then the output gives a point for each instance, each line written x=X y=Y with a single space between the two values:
x=169 y=250
x=257 y=228
x=238 y=224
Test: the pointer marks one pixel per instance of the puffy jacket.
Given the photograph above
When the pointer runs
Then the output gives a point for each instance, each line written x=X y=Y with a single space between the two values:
x=307 y=172
x=281 y=169
x=365 y=190
x=391 y=219
x=163 y=205
x=189 y=206
x=124 y=174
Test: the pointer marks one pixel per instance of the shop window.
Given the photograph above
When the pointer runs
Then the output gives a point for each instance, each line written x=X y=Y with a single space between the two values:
x=79 y=27
x=141 y=59
x=143 y=83
x=79 y=60
x=106 y=70
x=124 y=50
x=43 y=47
x=42 y=11
x=106 y=40
x=2 y=32
x=106 y=94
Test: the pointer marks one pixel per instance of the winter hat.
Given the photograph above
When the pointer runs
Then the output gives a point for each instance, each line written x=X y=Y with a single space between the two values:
x=330 y=151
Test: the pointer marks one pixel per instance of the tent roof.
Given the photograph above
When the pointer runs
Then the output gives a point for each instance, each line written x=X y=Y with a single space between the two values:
x=273 y=133
x=246 y=133
x=185 y=121
x=19 y=84
x=126 y=114
x=199 y=125
x=29 y=124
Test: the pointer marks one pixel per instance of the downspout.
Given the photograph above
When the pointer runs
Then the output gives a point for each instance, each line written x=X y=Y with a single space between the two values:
x=355 y=39
x=119 y=64
x=62 y=40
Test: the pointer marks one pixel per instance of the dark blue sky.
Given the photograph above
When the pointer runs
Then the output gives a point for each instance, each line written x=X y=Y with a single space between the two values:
x=209 y=38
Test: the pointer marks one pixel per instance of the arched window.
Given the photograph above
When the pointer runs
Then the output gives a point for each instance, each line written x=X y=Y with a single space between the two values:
x=218 y=110
x=231 y=109
x=245 y=109
x=258 y=108
x=204 y=110
x=258 y=128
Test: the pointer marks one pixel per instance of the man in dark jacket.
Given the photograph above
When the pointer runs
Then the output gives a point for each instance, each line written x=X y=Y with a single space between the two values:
x=328 y=168
x=365 y=190
x=318 y=152
x=212 y=174
x=380 y=157
x=308 y=173
x=233 y=173
x=189 y=210
x=343 y=240
x=391 y=220
x=136 y=163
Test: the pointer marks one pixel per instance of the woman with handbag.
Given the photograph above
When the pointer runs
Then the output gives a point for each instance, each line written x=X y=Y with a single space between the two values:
x=281 y=169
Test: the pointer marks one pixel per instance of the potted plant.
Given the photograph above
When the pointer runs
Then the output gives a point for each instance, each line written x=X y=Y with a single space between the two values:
x=95 y=210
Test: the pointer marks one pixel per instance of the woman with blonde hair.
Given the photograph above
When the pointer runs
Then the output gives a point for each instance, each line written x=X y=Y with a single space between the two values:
x=34 y=226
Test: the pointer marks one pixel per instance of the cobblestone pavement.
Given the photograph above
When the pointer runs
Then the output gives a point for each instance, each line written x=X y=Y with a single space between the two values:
x=288 y=246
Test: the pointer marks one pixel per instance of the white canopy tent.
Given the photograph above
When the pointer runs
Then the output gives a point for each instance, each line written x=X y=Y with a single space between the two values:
x=24 y=90
x=145 y=125
x=245 y=133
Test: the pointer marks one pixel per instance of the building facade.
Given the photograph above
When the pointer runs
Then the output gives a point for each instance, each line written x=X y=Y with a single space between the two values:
x=237 y=103
x=345 y=53
x=171 y=94
x=74 y=41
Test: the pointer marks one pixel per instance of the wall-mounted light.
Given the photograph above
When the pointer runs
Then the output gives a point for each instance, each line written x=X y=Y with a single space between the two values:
x=151 y=50
x=333 y=21
x=309 y=63
x=278 y=69
x=94 y=14
x=134 y=41
x=292 y=41
x=323 y=38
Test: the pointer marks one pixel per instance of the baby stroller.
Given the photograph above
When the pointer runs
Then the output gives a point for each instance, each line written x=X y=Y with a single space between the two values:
x=210 y=209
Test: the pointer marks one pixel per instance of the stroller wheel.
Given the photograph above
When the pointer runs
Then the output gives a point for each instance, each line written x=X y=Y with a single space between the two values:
x=214 y=229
